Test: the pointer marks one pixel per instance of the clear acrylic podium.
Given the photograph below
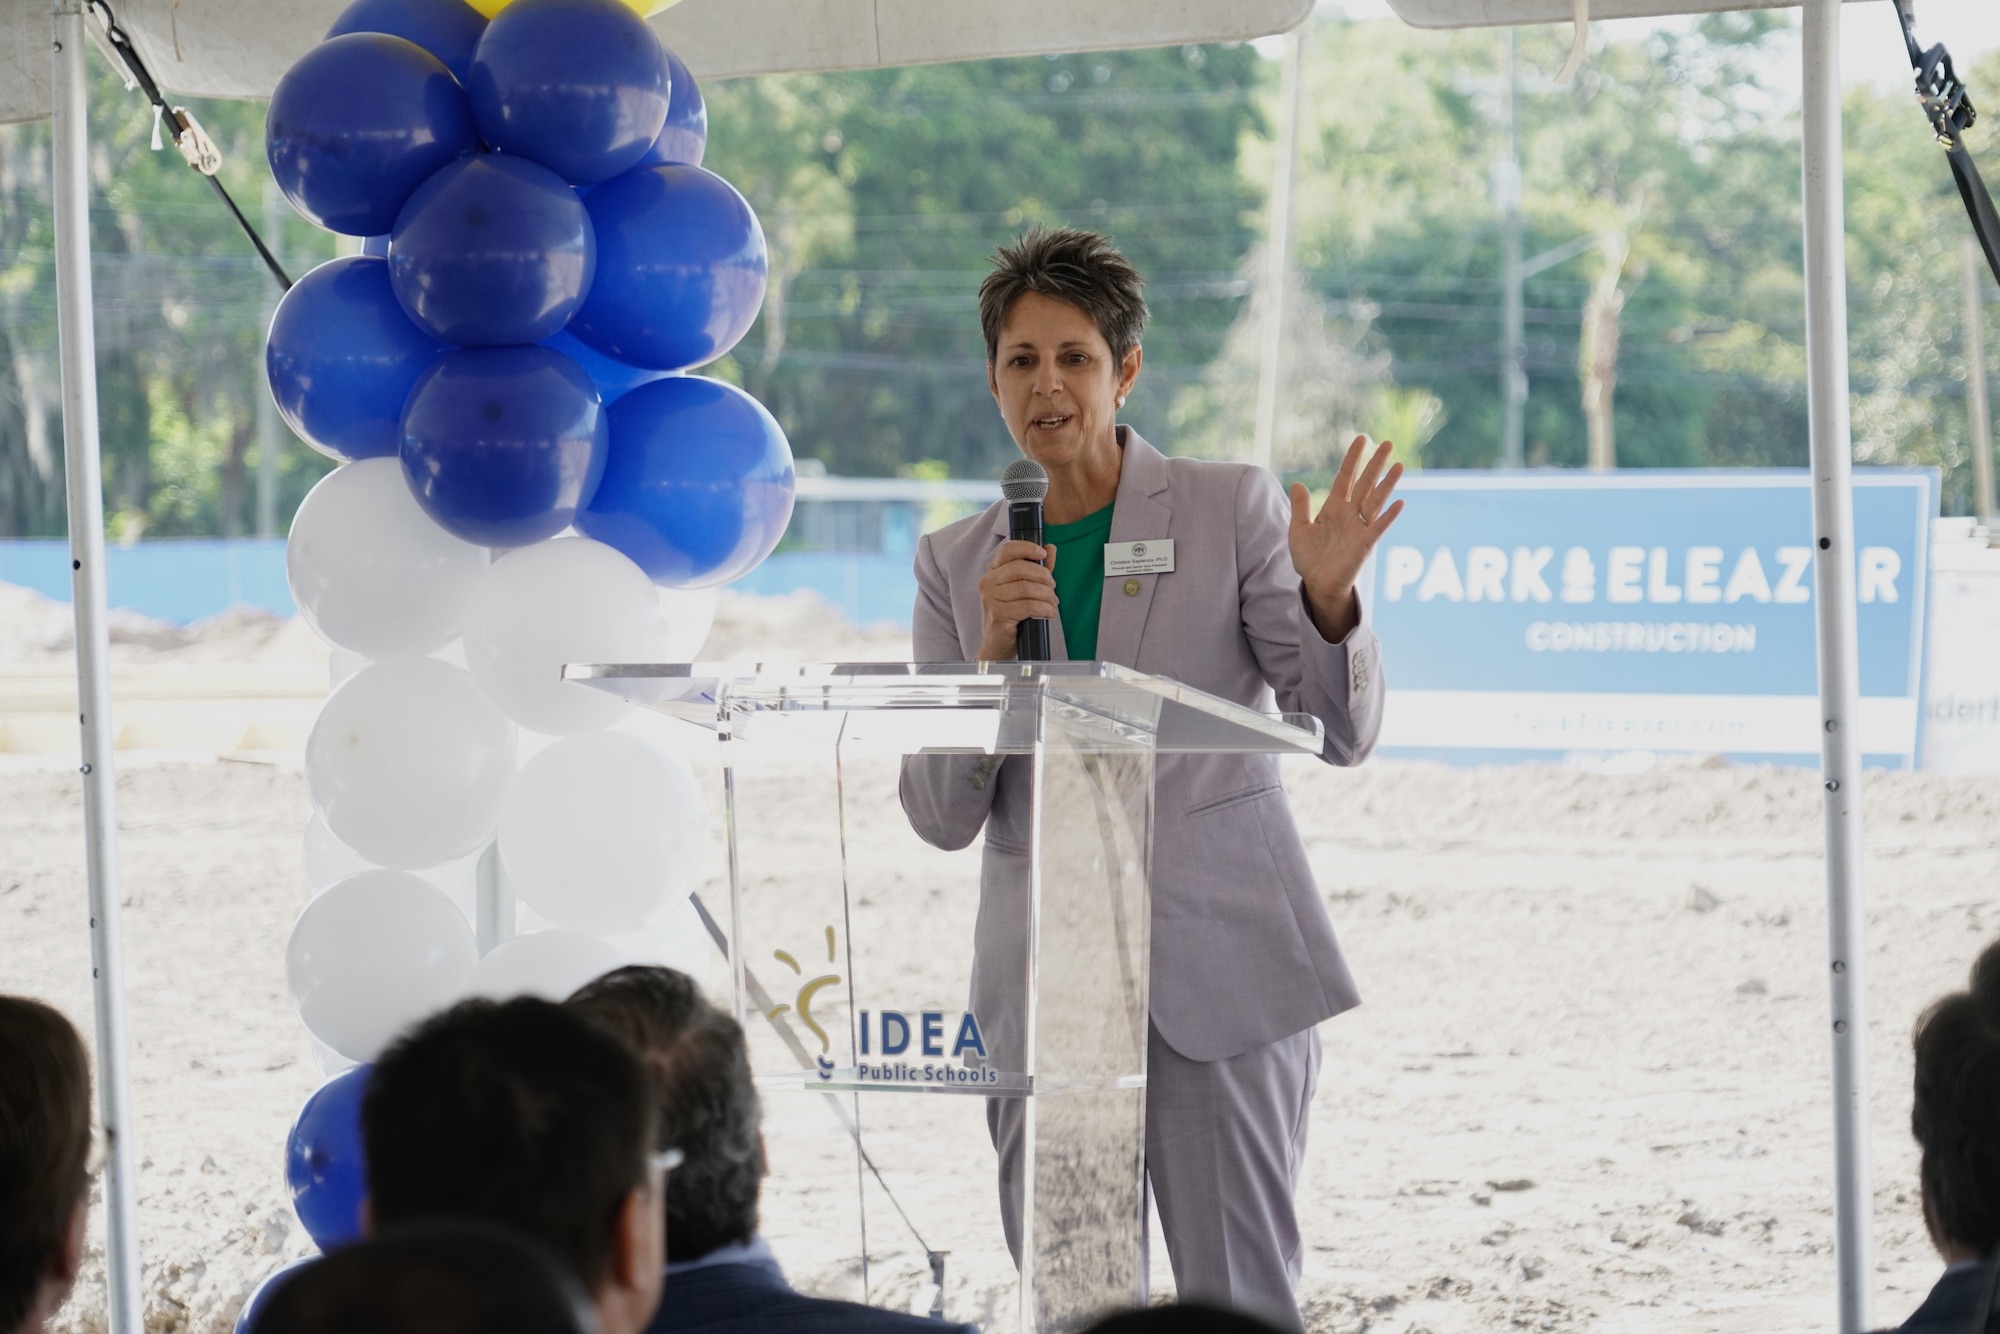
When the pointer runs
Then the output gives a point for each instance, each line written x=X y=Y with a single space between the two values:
x=850 y=941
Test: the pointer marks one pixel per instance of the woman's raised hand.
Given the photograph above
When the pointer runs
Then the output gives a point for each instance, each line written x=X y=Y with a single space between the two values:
x=1329 y=551
x=1016 y=587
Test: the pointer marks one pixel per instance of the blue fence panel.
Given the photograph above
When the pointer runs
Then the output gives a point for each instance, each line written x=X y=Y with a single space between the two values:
x=177 y=581
x=183 y=581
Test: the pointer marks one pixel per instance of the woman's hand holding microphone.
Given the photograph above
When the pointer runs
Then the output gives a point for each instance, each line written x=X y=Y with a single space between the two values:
x=1016 y=587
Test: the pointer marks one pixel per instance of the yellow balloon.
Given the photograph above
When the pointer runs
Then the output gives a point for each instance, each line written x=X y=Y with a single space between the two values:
x=646 y=8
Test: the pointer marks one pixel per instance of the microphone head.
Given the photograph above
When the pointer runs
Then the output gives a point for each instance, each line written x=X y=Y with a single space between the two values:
x=1024 y=479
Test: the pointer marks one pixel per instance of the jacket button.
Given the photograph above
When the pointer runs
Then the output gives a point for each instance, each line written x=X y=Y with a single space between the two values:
x=1131 y=588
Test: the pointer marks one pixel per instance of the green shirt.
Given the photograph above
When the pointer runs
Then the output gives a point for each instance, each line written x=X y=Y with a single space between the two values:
x=1080 y=578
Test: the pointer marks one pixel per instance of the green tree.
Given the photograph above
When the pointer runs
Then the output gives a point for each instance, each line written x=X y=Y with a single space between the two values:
x=881 y=360
x=180 y=298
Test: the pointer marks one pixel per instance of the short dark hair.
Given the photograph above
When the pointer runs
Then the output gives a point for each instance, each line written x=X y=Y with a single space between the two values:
x=1181 y=1318
x=44 y=1145
x=1079 y=267
x=431 y=1278
x=515 y=1112
x=694 y=1055
x=1955 y=1113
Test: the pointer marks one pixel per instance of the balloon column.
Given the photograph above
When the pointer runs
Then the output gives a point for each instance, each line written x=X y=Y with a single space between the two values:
x=529 y=475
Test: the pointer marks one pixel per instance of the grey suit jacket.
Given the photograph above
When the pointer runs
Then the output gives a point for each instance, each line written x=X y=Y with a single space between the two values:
x=1243 y=951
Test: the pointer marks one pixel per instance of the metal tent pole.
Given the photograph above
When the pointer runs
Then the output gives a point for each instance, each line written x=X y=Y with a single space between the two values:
x=1840 y=741
x=1976 y=404
x=83 y=479
x=1513 y=335
x=1278 y=252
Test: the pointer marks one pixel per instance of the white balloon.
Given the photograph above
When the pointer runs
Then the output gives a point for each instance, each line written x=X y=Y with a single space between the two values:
x=371 y=572
x=341 y=664
x=603 y=833
x=549 y=964
x=372 y=955
x=328 y=860
x=329 y=1061
x=409 y=762
x=678 y=940
x=690 y=614
x=569 y=600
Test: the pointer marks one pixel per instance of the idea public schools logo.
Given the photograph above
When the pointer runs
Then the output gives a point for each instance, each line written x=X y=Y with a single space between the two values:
x=889 y=1033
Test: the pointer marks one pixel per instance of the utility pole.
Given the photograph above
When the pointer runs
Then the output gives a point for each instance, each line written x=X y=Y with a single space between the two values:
x=1278 y=251
x=1977 y=408
x=271 y=431
x=1513 y=337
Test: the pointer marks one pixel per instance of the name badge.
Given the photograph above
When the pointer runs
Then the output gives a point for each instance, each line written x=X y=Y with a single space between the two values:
x=1154 y=557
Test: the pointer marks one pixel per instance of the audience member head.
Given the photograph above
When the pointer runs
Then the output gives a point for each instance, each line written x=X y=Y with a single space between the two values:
x=1956 y=1114
x=524 y=1114
x=44 y=1161
x=1188 y=1318
x=700 y=1072
x=431 y=1278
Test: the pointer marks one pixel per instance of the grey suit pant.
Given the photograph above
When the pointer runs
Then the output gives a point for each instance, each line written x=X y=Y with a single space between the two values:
x=1224 y=1144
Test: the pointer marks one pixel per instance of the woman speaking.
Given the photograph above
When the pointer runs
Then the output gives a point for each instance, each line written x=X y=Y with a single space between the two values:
x=1260 y=602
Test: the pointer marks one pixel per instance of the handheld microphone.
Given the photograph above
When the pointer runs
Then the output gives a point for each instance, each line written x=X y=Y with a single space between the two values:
x=1024 y=484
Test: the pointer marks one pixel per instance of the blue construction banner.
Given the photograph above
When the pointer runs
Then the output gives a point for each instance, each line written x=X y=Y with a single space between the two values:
x=1533 y=616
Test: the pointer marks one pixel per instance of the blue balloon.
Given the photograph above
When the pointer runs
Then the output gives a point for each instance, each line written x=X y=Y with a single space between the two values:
x=614 y=379
x=491 y=251
x=342 y=358
x=502 y=445
x=324 y=1167
x=358 y=124
x=681 y=266
x=378 y=246
x=698 y=487
x=260 y=1297
x=579 y=86
x=448 y=29
x=684 y=138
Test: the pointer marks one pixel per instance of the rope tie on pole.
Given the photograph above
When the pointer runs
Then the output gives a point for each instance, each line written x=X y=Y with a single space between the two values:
x=189 y=137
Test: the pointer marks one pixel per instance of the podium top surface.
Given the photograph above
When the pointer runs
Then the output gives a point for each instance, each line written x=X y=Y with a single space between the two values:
x=949 y=708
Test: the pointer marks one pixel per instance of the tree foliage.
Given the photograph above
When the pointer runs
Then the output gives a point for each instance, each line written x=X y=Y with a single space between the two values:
x=883 y=192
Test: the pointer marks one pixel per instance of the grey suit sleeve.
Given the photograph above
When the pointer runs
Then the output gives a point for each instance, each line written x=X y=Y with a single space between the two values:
x=945 y=797
x=1340 y=684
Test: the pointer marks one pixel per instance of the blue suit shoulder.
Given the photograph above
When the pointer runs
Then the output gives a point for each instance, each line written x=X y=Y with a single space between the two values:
x=728 y=1299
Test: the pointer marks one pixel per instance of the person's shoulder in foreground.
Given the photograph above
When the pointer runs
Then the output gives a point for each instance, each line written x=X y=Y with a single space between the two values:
x=1949 y=1307
x=742 y=1288
x=45 y=1146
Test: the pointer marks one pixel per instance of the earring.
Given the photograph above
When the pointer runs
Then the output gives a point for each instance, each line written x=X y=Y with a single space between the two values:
x=1121 y=401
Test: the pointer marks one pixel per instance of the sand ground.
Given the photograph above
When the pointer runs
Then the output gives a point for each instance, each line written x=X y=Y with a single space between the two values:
x=1587 y=1088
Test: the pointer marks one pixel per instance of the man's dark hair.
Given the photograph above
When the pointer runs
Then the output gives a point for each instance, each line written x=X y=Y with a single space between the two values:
x=520 y=1113
x=431 y=1278
x=44 y=1145
x=1079 y=267
x=700 y=1071
x=1955 y=1114
x=1181 y=1318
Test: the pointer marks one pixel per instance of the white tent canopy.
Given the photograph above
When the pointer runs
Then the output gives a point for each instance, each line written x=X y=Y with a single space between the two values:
x=1500 y=13
x=239 y=48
